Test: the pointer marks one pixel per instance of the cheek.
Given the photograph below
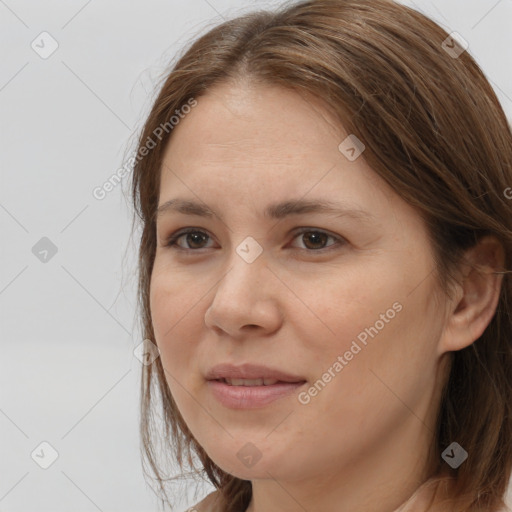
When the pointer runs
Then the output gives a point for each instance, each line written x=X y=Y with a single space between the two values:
x=350 y=309
x=368 y=324
x=387 y=347
x=173 y=304
x=176 y=335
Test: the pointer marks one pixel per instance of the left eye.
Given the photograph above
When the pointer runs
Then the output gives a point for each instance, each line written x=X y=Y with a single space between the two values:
x=315 y=238
x=312 y=238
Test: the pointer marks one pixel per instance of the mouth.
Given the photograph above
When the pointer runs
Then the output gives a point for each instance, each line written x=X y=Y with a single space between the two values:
x=238 y=374
x=252 y=382
x=250 y=386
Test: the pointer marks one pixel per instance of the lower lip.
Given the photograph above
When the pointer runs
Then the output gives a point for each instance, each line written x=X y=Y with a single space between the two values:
x=251 y=397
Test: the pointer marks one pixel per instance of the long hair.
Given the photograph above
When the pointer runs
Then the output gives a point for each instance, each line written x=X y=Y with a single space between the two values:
x=433 y=129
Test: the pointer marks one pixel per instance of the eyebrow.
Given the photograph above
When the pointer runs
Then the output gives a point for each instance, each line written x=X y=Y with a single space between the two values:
x=274 y=211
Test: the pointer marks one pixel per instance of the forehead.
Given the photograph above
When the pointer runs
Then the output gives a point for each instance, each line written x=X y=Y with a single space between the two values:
x=246 y=123
x=263 y=145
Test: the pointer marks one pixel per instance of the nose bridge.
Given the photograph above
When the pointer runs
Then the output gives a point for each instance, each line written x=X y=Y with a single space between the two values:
x=247 y=267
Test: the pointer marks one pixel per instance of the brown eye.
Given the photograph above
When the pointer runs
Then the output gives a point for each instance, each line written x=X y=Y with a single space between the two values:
x=315 y=240
x=194 y=239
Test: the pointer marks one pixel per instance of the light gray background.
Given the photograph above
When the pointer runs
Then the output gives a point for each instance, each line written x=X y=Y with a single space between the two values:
x=68 y=375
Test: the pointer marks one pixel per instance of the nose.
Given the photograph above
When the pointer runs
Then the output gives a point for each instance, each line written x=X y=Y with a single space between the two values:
x=246 y=300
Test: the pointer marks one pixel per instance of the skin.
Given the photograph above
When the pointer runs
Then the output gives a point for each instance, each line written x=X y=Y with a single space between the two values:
x=361 y=443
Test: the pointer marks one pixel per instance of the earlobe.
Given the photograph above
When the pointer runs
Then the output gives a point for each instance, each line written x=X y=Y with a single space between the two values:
x=477 y=295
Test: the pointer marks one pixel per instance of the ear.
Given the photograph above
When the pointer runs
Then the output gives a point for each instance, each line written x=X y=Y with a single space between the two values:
x=476 y=295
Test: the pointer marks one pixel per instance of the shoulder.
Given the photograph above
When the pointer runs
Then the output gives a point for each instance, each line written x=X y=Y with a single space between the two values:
x=209 y=504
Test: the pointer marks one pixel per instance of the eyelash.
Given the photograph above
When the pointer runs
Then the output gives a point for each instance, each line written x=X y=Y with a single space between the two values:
x=172 y=239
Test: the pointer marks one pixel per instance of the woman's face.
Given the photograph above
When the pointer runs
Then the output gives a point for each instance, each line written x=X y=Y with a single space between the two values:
x=347 y=312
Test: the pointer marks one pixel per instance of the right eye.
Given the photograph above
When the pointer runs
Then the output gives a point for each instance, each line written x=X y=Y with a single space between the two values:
x=192 y=236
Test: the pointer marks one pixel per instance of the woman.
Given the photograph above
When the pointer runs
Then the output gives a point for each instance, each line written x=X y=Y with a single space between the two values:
x=325 y=264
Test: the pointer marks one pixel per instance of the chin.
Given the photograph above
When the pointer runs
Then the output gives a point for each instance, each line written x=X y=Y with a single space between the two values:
x=249 y=461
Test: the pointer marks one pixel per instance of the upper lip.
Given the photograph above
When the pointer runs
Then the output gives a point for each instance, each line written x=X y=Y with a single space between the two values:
x=249 y=371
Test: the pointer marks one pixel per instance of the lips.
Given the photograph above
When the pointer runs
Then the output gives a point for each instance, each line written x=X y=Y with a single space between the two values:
x=250 y=382
x=250 y=386
x=250 y=375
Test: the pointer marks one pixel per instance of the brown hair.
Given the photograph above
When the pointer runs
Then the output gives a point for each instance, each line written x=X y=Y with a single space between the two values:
x=433 y=129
